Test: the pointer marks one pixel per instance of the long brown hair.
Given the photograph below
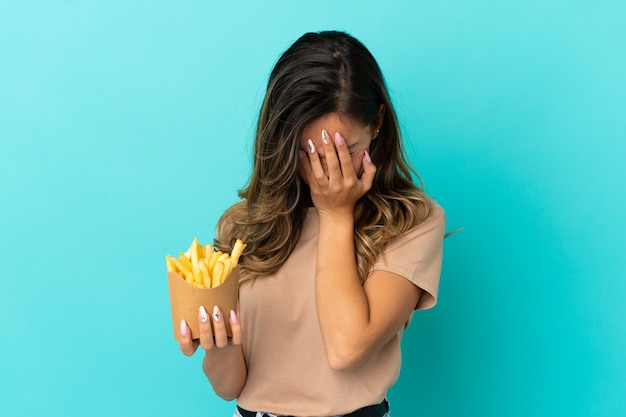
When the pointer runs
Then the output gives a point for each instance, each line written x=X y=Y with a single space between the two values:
x=321 y=73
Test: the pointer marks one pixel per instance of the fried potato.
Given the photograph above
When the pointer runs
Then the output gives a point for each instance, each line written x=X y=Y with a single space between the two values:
x=203 y=266
x=206 y=275
x=216 y=274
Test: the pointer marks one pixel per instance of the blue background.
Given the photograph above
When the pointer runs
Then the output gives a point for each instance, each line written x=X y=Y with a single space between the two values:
x=126 y=128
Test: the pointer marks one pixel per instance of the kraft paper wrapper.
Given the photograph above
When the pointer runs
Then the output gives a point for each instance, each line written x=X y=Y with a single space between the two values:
x=185 y=300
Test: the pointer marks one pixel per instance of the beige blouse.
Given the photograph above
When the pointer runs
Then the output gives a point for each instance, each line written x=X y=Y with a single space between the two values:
x=288 y=372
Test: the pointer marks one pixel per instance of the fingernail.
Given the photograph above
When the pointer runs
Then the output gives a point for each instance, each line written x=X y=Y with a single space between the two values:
x=338 y=139
x=325 y=137
x=183 y=328
x=368 y=157
x=301 y=153
x=217 y=314
x=233 y=317
x=311 y=146
x=203 y=315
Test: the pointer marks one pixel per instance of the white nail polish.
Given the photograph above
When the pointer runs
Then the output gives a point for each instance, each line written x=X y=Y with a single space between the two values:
x=311 y=146
x=325 y=137
x=203 y=315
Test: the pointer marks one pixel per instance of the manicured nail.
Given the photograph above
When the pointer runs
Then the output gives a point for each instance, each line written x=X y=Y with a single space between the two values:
x=233 y=317
x=301 y=153
x=203 y=315
x=311 y=146
x=325 y=137
x=338 y=139
x=217 y=314
x=368 y=157
x=183 y=328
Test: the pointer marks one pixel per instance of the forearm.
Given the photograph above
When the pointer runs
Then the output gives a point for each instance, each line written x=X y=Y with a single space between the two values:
x=226 y=370
x=342 y=304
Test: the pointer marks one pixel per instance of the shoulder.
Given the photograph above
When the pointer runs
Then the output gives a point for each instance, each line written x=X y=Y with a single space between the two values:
x=431 y=228
x=435 y=221
x=417 y=255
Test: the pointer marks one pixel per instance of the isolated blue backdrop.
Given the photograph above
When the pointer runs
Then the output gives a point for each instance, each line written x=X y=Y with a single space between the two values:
x=126 y=129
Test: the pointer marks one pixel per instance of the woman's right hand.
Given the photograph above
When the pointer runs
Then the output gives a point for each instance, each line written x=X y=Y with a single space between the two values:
x=211 y=338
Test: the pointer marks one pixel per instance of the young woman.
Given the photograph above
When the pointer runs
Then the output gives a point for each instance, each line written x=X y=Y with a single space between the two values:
x=342 y=244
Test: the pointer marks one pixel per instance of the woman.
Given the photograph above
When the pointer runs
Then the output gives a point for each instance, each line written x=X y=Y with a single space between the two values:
x=342 y=245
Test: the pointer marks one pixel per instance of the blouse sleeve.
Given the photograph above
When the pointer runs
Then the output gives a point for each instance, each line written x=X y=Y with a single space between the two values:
x=417 y=256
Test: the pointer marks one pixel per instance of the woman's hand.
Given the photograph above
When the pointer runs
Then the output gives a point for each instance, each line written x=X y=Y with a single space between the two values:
x=210 y=339
x=223 y=362
x=333 y=181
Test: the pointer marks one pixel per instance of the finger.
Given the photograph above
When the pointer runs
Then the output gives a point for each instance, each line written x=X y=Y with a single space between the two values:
x=187 y=345
x=345 y=159
x=306 y=166
x=219 y=328
x=369 y=170
x=317 y=170
x=235 y=327
x=206 y=334
x=330 y=154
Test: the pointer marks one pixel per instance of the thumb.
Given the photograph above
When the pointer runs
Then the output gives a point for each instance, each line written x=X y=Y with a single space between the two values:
x=369 y=169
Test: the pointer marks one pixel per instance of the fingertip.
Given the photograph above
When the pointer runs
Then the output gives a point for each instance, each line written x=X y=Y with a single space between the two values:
x=235 y=328
x=184 y=328
x=369 y=170
x=368 y=158
x=338 y=139
x=186 y=344
x=202 y=314
x=325 y=137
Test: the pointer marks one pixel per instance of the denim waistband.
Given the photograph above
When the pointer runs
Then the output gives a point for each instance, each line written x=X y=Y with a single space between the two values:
x=376 y=410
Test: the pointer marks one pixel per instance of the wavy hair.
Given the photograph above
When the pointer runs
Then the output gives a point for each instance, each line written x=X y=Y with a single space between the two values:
x=321 y=73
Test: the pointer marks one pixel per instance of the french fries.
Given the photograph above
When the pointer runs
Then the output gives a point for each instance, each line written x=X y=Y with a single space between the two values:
x=203 y=266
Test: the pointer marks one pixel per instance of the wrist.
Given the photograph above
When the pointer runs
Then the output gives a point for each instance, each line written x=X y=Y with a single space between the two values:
x=337 y=215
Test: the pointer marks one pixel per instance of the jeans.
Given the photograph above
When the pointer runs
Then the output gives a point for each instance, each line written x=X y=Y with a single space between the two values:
x=260 y=414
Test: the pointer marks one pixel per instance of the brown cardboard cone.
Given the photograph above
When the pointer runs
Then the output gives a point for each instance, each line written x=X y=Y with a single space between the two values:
x=185 y=300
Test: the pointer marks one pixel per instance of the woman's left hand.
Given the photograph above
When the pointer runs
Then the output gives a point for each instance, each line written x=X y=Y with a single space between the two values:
x=334 y=184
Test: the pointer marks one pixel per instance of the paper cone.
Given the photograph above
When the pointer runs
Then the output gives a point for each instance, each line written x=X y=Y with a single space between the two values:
x=186 y=299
